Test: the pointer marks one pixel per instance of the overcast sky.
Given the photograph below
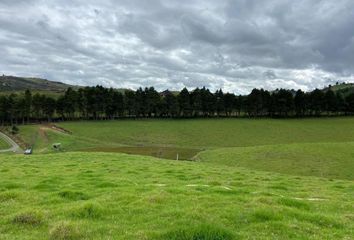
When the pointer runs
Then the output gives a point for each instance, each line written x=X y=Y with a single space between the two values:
x=235 y=45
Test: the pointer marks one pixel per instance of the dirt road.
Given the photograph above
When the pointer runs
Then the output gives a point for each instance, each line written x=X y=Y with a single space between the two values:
x=14 y=146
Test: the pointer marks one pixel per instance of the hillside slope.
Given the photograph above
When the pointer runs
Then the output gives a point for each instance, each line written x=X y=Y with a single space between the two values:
x=10 y=83
x=342 y=88
x=118 y=196
x=329 y=160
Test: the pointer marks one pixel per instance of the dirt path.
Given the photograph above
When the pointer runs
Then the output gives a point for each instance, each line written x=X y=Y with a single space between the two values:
x=14 y=146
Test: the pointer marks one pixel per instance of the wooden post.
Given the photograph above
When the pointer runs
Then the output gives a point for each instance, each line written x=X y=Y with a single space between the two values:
x=177 y=157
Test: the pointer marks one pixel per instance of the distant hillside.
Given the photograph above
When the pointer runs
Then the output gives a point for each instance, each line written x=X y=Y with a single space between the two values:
x=344 y=88
x=10 y=84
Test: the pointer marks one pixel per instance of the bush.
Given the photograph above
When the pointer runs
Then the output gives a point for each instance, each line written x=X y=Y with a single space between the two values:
x=14 y=130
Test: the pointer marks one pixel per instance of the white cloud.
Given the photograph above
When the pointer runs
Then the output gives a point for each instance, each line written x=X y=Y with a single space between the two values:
x=231 y=44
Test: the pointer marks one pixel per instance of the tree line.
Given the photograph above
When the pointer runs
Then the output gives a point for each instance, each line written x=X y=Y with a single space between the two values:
x=98 y=103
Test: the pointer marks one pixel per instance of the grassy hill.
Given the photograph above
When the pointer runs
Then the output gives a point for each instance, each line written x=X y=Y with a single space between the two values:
x=343 y=88
x=194 y=133
x=314 y=147
x=251 y=179
x=118 y=196
x=330 y=160
x=214 y=133
x=11 y=84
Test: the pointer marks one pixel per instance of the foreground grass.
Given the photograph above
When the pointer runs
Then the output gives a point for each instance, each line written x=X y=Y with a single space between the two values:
x=118 y=196
x=330 y=160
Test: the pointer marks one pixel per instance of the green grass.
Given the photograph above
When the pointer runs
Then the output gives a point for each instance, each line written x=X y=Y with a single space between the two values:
x=160 y=152
x=330 y=160
x=321 y=147
x=252 y=179
x=214 y=133
x=192 y=134
x=3 y=144
x=118 y=196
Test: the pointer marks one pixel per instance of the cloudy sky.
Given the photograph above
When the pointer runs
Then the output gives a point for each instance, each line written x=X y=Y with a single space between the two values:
x=235 y=45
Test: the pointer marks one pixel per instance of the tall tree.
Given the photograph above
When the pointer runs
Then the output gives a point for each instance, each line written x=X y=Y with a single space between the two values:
x=330 y=101
x=184 y=103
x=130 y=102
x=220 y=102
x=283 y=102
x=28 y=104
x=172 y=104
x=317 y=103
x=300 y=103
x=49 y=106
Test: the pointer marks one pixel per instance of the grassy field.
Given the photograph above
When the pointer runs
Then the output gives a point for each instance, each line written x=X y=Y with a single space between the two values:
x=249 y=179
x=312 y=147
x=194 y=134
x=264 y=144
x=214 y=133
x=330 y=160
x=118 y=196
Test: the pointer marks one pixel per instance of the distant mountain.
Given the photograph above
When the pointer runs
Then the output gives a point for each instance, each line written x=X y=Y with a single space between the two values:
x=11 y=83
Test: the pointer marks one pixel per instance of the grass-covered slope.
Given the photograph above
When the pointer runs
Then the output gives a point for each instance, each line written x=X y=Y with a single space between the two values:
x=309 y=147
x=343 y=88
x=212 y=133
x=11 y=83
x=117 y=196
x=330 y=160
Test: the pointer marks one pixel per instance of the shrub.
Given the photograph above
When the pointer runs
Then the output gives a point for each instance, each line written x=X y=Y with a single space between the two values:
x=14 y=130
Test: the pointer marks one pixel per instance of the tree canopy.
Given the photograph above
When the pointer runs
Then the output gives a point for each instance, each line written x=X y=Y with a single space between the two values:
x=107 y=103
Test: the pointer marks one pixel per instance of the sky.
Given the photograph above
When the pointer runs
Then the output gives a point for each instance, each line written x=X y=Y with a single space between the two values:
x=236 y=45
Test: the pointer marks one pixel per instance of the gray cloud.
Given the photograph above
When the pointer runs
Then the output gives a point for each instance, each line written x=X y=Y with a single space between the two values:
x=231 y=44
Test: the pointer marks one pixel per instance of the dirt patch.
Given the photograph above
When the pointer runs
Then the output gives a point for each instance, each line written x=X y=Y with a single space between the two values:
x=60 y=129
x=43 y=134
x=56 y=128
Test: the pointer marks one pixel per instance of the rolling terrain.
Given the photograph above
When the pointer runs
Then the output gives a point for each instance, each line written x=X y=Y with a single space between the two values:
x=20 y=84
x=315 y=147
x=342 y=88
x=118 y=196
x=248 y=179
x=330 y=160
